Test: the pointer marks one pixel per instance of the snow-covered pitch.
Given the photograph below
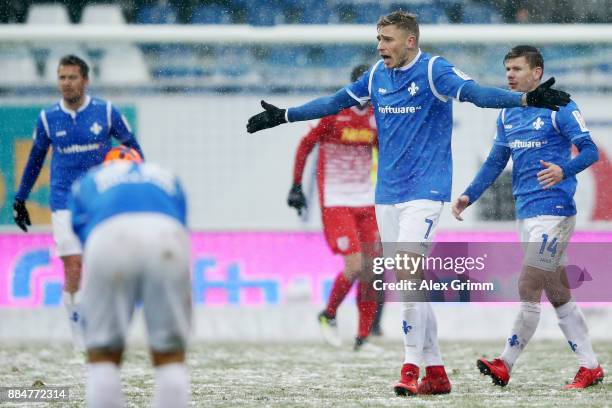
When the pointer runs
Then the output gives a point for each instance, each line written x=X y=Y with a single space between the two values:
x=314 y=374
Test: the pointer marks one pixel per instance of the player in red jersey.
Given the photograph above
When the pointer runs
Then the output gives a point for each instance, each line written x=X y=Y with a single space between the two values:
x=346 y=195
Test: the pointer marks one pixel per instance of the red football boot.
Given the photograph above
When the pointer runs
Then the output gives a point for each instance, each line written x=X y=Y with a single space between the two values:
x=408 y=383
x=435 y=381
x=585 y=377
x=496 y=369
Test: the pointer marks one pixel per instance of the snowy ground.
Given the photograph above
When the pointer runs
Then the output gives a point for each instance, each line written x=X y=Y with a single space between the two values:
x=313 y=374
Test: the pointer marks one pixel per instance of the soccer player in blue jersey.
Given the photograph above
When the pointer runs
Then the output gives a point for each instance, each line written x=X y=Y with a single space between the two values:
x=411 y=92
x=131 y=220
x=79 y=128
x=543 y=183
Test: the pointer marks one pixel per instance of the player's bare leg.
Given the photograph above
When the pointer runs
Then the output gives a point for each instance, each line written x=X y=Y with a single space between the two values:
x=103 y=379
x=72 y=296
x=574 y=328
x=171 y=379
x=342 y=285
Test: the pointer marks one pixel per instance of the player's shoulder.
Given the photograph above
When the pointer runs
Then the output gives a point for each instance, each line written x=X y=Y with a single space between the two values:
x=96 y=101
x=570 y=107
x=51 y=110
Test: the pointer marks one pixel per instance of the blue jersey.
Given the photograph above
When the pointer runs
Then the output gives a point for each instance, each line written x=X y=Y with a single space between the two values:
x=124 y=187
x=80 y=141
x=535 y=134
x=414 y=117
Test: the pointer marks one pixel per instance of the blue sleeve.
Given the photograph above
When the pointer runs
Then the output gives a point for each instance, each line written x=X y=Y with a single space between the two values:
x=120 y=130
x=489 y=171
x=35 y=160
x=181 y=202
x=445 y=79
x=588 y=154
x=320 y=107
x=78 y=215
x=360 y=89
x=571 y=124
x=489 y=97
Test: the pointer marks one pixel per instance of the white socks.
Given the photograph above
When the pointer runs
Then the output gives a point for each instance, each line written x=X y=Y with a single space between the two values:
x=72 y=302
x=431 y=350
x=104 y=386
x=524 y=327
x=573 y=326
x=172 y=388
x=413 y=326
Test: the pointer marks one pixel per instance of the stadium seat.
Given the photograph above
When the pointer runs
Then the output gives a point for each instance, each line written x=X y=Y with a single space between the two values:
x=321 y=14
x=103 y=14
x=480 y=14
x=368 y=13
x=263 y=13
x=17 y=67
x=123 y=65
x=48 y=13
x=427 y=12
x=177 y=62
x=156 y=14
x=211 y=14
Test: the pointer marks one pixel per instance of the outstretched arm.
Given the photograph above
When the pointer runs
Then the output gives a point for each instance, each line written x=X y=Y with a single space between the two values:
x=489 y=97
x=318 y=108
x=488 y=173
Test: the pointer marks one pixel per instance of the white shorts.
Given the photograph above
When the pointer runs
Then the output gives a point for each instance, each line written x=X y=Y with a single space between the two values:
x=66 y=242
x=412 y=223
x=544 y=240
x=134 y=258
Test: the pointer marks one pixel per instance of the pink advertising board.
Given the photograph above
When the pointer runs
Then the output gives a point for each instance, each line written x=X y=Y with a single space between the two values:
x=233 y=268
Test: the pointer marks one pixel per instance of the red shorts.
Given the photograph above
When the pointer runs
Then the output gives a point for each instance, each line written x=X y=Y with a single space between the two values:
x=350 y=230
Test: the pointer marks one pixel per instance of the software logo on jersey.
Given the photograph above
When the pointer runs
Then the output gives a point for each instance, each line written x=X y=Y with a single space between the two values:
x=537 y=125
x=526 y=144
x=398 y=109
x=413 y=88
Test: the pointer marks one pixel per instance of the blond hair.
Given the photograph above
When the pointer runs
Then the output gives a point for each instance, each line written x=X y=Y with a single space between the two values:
x=402 y=20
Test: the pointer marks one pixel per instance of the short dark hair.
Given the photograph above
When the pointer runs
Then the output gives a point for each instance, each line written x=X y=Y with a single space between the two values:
x=532 y=55
x=402 y=20
x=74 y=60
x=358 y=71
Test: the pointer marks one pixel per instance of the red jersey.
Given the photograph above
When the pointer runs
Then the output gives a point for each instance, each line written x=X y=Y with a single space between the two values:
x=345 y=158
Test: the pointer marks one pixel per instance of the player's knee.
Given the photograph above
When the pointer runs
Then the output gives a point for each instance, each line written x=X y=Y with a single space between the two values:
x=167 y=357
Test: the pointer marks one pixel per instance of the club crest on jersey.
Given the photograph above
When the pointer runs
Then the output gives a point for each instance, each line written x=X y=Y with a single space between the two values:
x=412 y=89
x=537 y=125
x=95 y=128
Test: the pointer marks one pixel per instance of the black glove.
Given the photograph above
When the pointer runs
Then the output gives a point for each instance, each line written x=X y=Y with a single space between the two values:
x=546 y=97
x=296 y=198
x=20 y=215
x=270 y=117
